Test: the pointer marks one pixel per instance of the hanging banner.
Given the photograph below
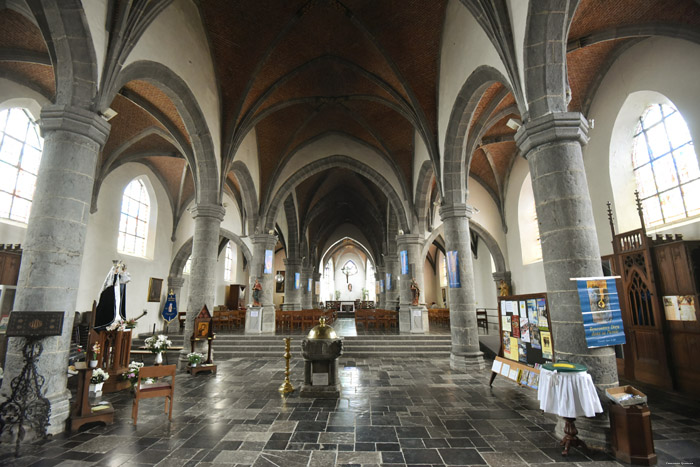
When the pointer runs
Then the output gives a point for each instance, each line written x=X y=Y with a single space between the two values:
x=169 y=312
x=403 y=255
x=388 y=281
x=453 y=269
x=381 y=285
x=297 y=281
x=309 y=285
x=318 y=288
x=600 y=305
x=268 y=262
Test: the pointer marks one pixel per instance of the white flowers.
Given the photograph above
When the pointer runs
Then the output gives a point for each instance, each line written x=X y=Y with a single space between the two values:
x=195 y=357
x=158 y=344
x=99 y=376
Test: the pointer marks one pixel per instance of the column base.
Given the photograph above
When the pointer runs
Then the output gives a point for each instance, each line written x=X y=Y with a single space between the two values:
x=291 y=306
x=253 y=320
x=60 y=411
x=404 y=321
x=467 y=362
x=268 y=320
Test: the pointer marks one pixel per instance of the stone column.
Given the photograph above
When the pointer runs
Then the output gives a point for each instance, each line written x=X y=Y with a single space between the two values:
x=317 y=279
x=175 y=284
x=53 y=247
x=292 y=296
x=262 y=242
x=306 y=274
x=411 y=317
x=552 y=146
x=465 y=355
x=381 y=296
x=202 y=282
x=391 y=296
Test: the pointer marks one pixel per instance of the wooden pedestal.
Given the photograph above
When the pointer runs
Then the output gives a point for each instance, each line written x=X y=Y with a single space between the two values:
x=83 y=411
x=193 y=370
x=631 y=436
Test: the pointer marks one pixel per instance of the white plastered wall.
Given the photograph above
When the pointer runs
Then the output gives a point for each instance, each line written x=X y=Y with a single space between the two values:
x=518 y=19
x=465 y=47
x=248 y=154
x=487 y=215
x=525 y=278
x=484 y=286
x=420 y=156
x=358 y=280
x=187 y=54
x=658 y=64
x=101 y=247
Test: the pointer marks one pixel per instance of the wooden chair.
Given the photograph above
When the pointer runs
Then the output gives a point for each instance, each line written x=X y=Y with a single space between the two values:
x=159 y=389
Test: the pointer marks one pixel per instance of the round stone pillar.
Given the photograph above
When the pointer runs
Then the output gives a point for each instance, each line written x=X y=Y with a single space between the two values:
x=53 y=247
x=292 y=295
x=552 y=146
x=175 y=284
x=261 y=244
x=306 y=274
x=391 y=282
x=202 y=282
x=381 y=296
x=465 y=354
x=316 y=299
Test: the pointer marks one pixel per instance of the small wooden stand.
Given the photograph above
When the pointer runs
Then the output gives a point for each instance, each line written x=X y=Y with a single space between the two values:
x=193 y=370
x=570 y=438
x=82 y=411
x=203 y=329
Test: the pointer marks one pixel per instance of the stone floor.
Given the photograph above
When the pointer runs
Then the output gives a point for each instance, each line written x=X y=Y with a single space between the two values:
x=391 y=411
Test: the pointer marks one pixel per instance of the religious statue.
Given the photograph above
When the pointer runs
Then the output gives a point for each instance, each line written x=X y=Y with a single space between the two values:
x=503 y=289
x=415 y=292
x=257 y=290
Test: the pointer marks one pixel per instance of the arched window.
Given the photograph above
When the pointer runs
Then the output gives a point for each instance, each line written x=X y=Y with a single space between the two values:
x=370 y=282
x=188 y=266
x=133 y=223
x=20 y=154
x=228 y=261
x=665 y=166
x=530 y=243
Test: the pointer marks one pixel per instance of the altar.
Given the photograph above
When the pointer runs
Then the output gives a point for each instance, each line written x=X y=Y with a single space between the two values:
x=348 y=306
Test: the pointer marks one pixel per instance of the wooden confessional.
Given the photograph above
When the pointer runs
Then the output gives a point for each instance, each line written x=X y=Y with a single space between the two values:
x=658 y=351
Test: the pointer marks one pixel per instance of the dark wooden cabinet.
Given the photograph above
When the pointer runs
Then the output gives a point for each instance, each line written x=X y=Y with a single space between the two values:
x=10 y=259
x=233 y=292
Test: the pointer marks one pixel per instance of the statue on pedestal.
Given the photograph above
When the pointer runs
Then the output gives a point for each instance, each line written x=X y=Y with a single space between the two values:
x=503 y=289
x=415 y=292
x=257 y=291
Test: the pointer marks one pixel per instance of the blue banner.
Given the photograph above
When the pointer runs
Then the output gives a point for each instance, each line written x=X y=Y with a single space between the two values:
x=297 y=281
x=403 y=254
x=308 y=286
x=600 y=305
x=268 y=262
x=381 y=285
x=388 y=281
x=453 y=270
x=169 y=312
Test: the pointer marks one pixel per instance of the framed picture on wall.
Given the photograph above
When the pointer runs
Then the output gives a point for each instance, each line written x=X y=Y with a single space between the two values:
x=154 y=289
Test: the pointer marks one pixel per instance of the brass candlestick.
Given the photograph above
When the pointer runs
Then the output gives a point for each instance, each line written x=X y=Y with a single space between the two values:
x=286 y=387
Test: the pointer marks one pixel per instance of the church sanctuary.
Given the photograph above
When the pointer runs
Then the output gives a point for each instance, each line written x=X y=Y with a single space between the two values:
x=316 y=233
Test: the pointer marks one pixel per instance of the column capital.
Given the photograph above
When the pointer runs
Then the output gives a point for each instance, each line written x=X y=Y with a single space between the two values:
x=307 y=269
x=74 y=120
x=175 y=282
x=215 y=211
x=448 y=211
x=552 y=128
x=410 y=239
x=292 y=262
x=267 y=240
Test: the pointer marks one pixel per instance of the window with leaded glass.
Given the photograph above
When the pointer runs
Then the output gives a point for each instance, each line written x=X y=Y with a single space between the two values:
x=133 y=222
x=665 y=166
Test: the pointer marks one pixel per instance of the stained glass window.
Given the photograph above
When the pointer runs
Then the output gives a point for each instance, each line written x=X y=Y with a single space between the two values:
x=20 y=154
x=133 y=223
x=665 y=166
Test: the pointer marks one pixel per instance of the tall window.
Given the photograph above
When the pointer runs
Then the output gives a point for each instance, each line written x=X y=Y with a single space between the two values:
x=20 y=154
x=228 y=261
x=133 y=223
x=530 y=241
x=665 y=166
x=370 y=282
x=188 y=266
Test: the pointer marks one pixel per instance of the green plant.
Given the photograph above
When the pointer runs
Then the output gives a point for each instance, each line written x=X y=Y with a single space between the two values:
x=195 y=358
x=337 y=294
x=158 y=344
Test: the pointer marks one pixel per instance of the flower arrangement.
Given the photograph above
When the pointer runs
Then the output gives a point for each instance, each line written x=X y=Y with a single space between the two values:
x=99 y=376
x=195 y=358
x=158 y=344
x=121 y=325
x=95 y=350
x=132 y=375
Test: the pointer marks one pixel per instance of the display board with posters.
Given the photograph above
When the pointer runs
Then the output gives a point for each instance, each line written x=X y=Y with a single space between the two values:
x=525 y=332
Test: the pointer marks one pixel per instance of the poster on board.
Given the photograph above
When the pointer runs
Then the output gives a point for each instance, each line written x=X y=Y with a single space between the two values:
x=600 y=306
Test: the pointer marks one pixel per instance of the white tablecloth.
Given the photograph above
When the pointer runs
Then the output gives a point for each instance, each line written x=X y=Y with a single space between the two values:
x=570 y=394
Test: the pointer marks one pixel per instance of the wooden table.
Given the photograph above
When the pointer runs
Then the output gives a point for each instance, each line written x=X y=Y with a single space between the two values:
x=83 y=411
x=193 y=370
